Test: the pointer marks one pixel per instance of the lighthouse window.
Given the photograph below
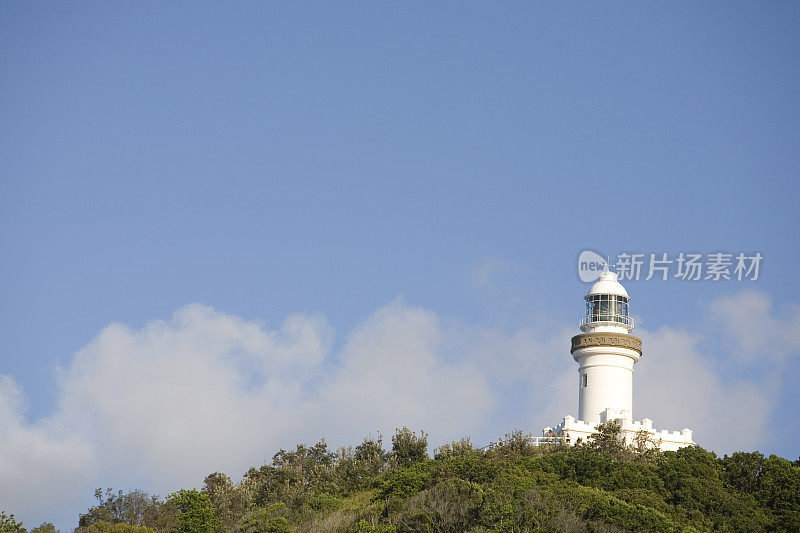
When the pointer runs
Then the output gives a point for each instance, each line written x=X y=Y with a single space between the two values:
x=585 y=379
x=607 y=308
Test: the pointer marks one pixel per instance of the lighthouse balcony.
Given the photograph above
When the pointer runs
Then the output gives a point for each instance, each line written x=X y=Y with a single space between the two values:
x=592 y=320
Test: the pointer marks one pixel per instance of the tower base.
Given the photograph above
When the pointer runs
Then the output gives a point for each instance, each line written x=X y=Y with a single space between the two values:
x=572 y=431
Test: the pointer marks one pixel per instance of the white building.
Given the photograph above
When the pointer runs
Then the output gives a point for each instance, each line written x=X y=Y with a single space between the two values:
x=606 y=353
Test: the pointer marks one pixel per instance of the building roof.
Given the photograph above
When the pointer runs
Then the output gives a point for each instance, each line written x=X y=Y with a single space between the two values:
x=607 y=284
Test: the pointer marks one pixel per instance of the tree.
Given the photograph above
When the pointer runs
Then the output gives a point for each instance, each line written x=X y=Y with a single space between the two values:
x=355 y=469
x=195 y=512
x=135 y=508
x=645 y=445
x=743 y=470
x=263 y=521
x=515 y=444
x=118 y=527
x=693 y=478
x=408 y=448
x=45 y=527
x=608 y=438
x=9 y=525
x=779 y=490
x=230 y=502
x=457 y=448
x=370 y=452
x=308 y=468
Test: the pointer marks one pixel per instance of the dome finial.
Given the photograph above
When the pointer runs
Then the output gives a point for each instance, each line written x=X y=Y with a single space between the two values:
x=607 y=266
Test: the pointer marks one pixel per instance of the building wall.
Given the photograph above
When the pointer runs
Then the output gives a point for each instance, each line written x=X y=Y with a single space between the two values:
x=574 y=431
x=608 y=381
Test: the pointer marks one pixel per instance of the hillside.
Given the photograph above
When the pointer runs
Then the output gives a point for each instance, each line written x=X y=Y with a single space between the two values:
x=602 y=486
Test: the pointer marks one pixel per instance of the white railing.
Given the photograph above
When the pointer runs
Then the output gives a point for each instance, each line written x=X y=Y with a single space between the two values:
x=619 y=320
x=533 y=441
x=542 y=441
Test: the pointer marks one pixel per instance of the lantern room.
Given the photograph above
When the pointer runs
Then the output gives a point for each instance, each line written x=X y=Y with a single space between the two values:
x=607 y=304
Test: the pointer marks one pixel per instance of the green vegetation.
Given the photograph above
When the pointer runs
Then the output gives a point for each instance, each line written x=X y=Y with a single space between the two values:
x=600 y=486
x=9 y=525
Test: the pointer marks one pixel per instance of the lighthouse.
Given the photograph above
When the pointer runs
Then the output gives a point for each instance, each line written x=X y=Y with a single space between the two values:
x=606 y=352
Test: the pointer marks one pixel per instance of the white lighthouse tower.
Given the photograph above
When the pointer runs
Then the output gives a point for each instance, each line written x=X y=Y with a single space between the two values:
x=606 y=353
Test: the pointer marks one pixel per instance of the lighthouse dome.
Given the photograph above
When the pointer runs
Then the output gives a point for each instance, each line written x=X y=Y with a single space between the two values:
x=607 y=284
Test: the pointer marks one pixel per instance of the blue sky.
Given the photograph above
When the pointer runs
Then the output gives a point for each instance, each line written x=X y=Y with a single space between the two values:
x=352 y=163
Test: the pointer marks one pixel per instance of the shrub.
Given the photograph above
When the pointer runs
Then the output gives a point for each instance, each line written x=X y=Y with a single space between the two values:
x=408 y=448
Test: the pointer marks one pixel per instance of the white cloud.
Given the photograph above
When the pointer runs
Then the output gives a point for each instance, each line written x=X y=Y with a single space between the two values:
x=531 y=372
x=393 y=373
x=677 y=386
x=752 y=331
x=160 y=407
x=716 y=380
x=39 y=462
x=485 y=274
